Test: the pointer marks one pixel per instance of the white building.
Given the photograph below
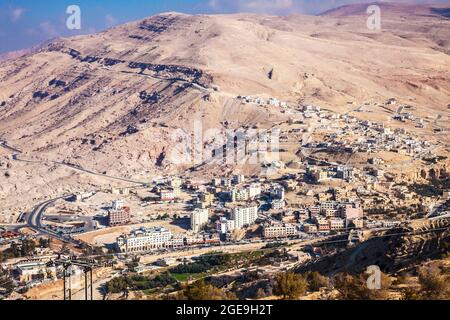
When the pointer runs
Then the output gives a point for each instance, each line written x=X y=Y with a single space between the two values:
x=28 y=271
x=224 y=225
x=199 y=219
x=278 y=204
x=144 y=239
x=239 y=195
x=167 y=195
x=337 y=224
x=176 y=182
x=254 y=190
x=118 y=204
x=279 y=231
x=244 y=216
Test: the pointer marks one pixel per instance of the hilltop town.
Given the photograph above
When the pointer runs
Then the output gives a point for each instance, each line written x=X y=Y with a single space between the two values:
x=338 y=179
x=153 y=161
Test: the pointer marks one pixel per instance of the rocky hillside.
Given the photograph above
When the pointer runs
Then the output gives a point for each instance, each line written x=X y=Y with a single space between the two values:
x=111 y=101
x=394 y=251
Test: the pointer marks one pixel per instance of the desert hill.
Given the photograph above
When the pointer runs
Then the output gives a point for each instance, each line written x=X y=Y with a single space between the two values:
x=111 y=101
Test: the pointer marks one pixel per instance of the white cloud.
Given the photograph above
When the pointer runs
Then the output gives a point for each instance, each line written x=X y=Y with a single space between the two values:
x=46 y=29
x=283 y=7
x=260 y=6
x=16 y=13
x=110 y=20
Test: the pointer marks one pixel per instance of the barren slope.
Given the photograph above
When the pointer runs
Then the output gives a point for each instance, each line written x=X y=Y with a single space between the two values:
x=111 y=101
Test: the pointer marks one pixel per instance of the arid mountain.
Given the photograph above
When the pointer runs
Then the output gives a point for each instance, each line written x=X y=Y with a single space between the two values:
x=111 y=101
x=12 y=55
x=391 y=9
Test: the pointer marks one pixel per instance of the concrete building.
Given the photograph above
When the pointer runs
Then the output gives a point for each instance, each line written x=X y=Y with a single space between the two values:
x=207 y=198
x=278 y=204
x=34 y=270
x=344 y=173
x=350 y=211
x=117 y=204
x=144 y=239
x=226 y=183
x=446 y=194
x=254 y=190
x=277 y=192
x=359 y=223
x=310 y=228
x=244 y=216
x=322 y=224
x=167 y=195
x=239 y=195
x=176 y=183
x=119 y=217
x=199 y=219
x=279 y=231
x=224 y=225
x=238 y=179
x=337 y=224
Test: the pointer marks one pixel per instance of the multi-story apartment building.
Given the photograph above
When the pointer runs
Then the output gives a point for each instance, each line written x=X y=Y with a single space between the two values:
x=326 y=205
x=254 y=190
x=207 y=198
x=119 y=217
x=322 y=224
x=239 y=195
x=351 y=211
x=226 y=182
x=244 y=216
x=117 y=204
x=315 y=210
x=277 y=192
x=224 y=225
x=279 y=231
x=238 y=179
x=167 y=195
x=359 y=223
x=337 y=224
x=310 y=228
x=278 y=204
x=199 y=219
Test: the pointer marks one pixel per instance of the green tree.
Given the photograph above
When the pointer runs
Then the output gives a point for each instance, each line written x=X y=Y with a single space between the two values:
x=44 y=243
x=117 y=285
x=6 y=282
x=28 y=247
x=290 y=285
x=434 y=284
x=199 y=290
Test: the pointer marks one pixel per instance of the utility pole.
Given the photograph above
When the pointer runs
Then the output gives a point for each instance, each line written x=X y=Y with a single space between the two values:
x=87 y=268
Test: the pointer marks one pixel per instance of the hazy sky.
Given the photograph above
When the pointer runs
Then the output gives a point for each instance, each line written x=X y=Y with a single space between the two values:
x=24 y=23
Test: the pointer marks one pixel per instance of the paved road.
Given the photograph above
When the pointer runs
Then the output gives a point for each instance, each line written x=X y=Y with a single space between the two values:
x=16 y=157
x=5 y=145
x=78 y=168
x=34 y=221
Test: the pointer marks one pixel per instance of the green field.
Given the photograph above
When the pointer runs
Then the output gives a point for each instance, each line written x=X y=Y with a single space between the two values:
x=182 y=277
